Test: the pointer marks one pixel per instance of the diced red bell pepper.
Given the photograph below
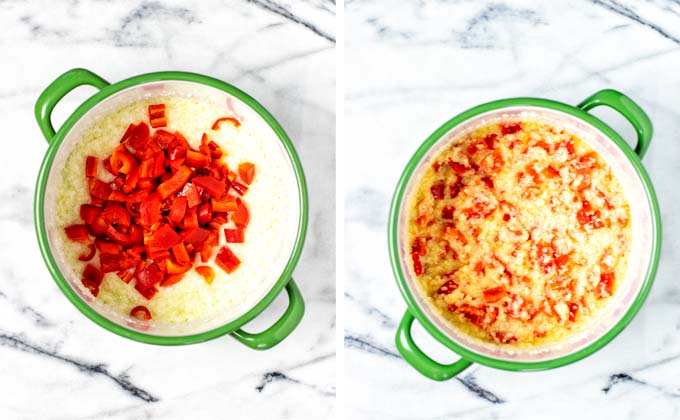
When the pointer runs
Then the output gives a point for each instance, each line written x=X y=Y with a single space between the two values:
x=227 y=260
x=125 y=275
x=176 y=152
x=116 y=214
x=134 y=236
x=159 y=165
x=146 y=168
x=106 y=163
x=206 y=252
x=218 y=122
x=212 y=185
x=122 y=161
x=227 y=205
x=149 y=277
x=215 y=150
x=157 y=115
x=141 y=312
x=207 y=273
x=196 y=159
x=91 y=166
x=175 y=268
x=239 y=188
x=181 y=254
x=241 y=216
x=117 y=196
x=98 y=227
x=147 y=184
x=195 y=236
x=88 y=213
x=204 y=213
x=171 y=279
x=92 y=274
x=150 y=211
x=91 y=252
x=191 y=193
x=177 y=211
x=175 y=183
x=148 y=293
x=127 y=133
x=163 y=138
x=139 y=136
x=100 y=189
x=246 y=171
x=233 y=235
x=158 y=254
x=77 y=233
x=164 y=238
x=93 y=288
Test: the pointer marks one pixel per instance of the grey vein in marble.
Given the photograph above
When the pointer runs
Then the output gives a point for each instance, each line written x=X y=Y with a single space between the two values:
x=122 y=380
x=282 y=11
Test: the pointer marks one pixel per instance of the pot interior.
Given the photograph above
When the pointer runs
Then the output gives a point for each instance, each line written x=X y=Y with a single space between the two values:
x=280 y=249
x=640 y=253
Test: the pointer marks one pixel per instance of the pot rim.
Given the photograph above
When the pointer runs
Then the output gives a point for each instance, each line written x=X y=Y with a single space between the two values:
x=393 y=226
x=97 y=99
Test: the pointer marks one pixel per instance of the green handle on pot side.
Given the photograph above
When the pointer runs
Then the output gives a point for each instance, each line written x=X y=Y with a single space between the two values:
x=61 y=86
x=419 y=360
x=281 y=328
x=629 y=109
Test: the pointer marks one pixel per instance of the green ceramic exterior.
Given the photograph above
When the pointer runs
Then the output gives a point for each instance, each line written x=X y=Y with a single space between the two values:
x=78 y=77
x=405 y=344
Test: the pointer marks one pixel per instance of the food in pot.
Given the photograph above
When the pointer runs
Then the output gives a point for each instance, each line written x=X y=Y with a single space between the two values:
x=167 y=208
x=519 y=233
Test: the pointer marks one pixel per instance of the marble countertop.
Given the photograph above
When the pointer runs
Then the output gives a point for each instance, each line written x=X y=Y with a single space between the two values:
x=55 y=363
x=410 y=66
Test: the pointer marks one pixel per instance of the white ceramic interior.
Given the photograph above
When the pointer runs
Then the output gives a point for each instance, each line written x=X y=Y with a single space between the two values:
x=249 y=118
x=642 y=234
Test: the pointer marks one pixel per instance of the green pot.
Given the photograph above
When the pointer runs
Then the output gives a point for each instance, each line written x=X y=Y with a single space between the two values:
x=111 y=97
x=646 y=235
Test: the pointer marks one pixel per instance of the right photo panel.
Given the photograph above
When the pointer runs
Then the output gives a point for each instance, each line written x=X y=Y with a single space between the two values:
x=509 y=169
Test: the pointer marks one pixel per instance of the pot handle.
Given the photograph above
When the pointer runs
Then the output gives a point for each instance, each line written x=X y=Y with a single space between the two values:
x=282 y=328
x=57 y=90
x=629 y=109
x=419 y=360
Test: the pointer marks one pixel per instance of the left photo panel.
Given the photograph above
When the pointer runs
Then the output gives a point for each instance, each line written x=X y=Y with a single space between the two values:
x=167 y=223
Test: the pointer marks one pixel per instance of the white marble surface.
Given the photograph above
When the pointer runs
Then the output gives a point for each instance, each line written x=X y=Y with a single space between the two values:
x=56 y=364
x=410 y=66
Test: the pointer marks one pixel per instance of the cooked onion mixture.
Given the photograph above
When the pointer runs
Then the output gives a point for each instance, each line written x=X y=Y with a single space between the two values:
x=519 y=233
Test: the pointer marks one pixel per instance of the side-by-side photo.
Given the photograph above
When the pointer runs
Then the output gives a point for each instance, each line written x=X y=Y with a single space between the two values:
x=168 y=216
x=512 y=263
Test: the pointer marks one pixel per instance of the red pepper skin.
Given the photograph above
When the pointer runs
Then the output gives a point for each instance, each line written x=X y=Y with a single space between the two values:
x=77 y=233
x=157 y=115
x=175 y=183
x=206 y=272
x=148 y=293
x=179 y=208
x=149 y=277
x=204 y=213
x=92 y=274
x=88 y=213
x=150 y=211
x=163 y=138
x=141 y=312
x=246 y=171
x=214 y=186
x=227 y=260
x=100 y=189
x=164 y=238
x=91 y=252
x=93 y=288
x=233 y=235
x=91 y=166
x=181 y=254
x=217 y=123
x=241 y=216
x=98 y=227
x=139 y=136
x=190 y=219
x=116 y=214
x=239 y=188
x=191 y=193
x=195 y=236
x=135 y=236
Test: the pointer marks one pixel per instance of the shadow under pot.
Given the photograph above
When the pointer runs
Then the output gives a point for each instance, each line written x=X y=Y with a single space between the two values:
x=192 y=309
x=481 y=308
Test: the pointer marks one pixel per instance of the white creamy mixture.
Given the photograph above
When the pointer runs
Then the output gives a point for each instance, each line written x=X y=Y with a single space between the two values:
x=270 y=199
